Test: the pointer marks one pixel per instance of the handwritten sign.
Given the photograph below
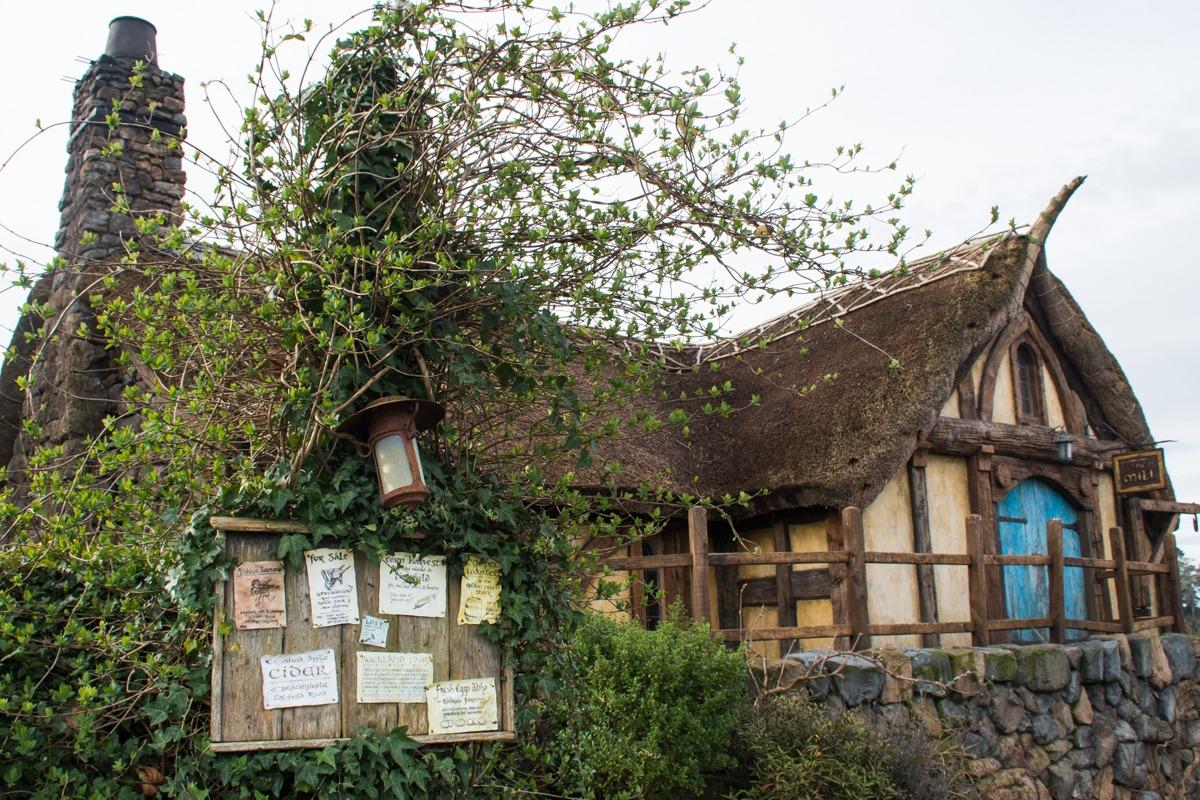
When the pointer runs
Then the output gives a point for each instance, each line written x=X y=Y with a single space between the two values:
x=1140 y=472
x=299 y=679
x=412 y=585
x=480 y=596
x=462 y=706
x=258 y=600
x=394 y=677
x=374 y=631
x=332 y=588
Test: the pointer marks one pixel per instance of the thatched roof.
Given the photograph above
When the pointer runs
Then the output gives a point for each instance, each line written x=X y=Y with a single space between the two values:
x=847 y=386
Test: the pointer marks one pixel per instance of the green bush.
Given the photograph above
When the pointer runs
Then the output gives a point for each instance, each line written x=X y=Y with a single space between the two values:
x=642 y=714
x=796 y=750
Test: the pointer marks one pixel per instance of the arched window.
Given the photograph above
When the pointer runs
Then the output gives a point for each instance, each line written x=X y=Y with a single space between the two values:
x=1027 y=385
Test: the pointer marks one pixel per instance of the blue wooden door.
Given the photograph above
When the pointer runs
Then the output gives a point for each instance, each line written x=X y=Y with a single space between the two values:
x=1021 y=518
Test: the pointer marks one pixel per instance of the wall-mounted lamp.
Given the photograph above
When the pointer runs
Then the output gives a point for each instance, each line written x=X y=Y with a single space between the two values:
x=389 y=427
x=1062 y=442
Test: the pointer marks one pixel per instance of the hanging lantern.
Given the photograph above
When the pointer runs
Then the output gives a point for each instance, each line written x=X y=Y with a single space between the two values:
x=389 y=427
x=1062 y=442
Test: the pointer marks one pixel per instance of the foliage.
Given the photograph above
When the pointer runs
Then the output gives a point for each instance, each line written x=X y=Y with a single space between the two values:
x=642 y=714
x=482 y=206
x=796 y=750
x=1189 y=590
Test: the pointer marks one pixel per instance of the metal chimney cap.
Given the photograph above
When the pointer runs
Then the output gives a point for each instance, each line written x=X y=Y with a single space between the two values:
x=132 y=37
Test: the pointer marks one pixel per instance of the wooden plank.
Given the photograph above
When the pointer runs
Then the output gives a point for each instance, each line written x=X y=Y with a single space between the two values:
x=922 y=628
x=1154 y=622
x=1057 y=581
x=1090 y=563
x=423 y=635
x=649 y=562
x=977 y=583
x=775 y=634
x=809 y=584
x=243 y=717
x=310 y=744
x=1017 y=624
x=311 y=722
x=760 y=559
x=923 y=545
x=1167 y=506
x=837 y=575
x=1147 y=568
x=379 y=716
x=731 y=593
x=1174 y=596
x=1017 y=560
x=928 y=559
x=968 y=408
x=856 y=578
x=471 y=654
x=637 y=584
x=243 y=525
x=785 y=603
x=508 y=706
x=979 y=496
x=698 y=539
x=1121 y=573
x=218 y=645
x=1095 y=625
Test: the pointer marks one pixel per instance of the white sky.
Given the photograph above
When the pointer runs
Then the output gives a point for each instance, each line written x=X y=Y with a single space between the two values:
x=987 y=104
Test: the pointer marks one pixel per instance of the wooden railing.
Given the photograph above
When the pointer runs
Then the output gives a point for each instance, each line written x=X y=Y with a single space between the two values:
x=848 y=567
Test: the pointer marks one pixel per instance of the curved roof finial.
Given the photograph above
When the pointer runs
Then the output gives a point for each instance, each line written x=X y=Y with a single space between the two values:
x=1045 y=221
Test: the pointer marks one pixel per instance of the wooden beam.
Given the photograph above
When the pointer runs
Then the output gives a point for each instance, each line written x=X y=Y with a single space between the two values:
x=785 y=606
x=979 y=496
x=856 y=578
x=698 y=539
x=759 y=559
x=776 y=634
x=923 y=543
x=964 y=437
x=1166 y=506
x=837 y=576
x=1173 y=602
x=809 y=584
x=978 y=583
x=1057 y=582
x=1116 y=538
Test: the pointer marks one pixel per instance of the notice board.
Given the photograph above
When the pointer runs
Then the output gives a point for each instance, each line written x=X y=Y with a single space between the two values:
x=264 y=635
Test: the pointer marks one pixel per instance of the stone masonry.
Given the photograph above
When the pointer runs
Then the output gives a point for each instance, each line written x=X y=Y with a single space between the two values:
x=1116 y=717
x=74 y=383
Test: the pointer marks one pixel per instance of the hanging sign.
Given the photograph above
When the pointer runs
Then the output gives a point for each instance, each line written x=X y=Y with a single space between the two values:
x=480 y=595
x=1140 y=472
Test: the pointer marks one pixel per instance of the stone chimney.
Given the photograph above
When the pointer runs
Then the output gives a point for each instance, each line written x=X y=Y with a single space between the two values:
x=125 y=140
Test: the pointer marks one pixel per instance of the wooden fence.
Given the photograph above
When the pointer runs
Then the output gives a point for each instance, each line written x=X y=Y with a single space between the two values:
x=848 y=577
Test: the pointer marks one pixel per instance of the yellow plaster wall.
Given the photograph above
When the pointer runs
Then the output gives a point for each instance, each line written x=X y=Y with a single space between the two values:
x=1004 y=407
x=946 y=484
x=1054 y=409
x=891 y=588
x=950 y=407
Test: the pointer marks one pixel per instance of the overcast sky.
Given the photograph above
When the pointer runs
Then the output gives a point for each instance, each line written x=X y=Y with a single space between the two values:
x=987 y=104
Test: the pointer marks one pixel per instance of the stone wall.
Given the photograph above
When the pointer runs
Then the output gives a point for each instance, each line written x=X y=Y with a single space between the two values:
x=1113 y=717
x=73 y=380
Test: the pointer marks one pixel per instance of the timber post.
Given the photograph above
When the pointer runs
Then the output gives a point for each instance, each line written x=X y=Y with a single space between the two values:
x=1057 y=582
x=698 y=539
x=1173 y=602
x=785 y=602
x=856 y=578
x=1116 y=538
x=978 y=585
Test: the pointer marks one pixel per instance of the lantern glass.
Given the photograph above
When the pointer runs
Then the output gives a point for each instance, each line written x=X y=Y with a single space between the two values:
x=391 y=460
x=1062 y=440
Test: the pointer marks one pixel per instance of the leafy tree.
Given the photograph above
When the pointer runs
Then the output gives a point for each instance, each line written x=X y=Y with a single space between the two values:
x=484 y=205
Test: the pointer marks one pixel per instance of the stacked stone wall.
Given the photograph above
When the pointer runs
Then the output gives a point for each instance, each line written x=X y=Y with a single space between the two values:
x=1111 y=718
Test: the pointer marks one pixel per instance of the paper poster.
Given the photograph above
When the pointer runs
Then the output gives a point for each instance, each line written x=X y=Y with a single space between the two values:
x=299 y=679
x=412 y=585
x=332 y=589
x=258 y=600
x=374 y=631
x=394 y=677
x=480 y=597
x=463 y=706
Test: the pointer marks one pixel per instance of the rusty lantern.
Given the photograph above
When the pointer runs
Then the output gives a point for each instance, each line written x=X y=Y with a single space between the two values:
x=1062 y=444
x=389 y=427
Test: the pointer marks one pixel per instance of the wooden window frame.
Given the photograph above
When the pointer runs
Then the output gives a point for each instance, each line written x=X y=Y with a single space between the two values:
x=1037 y=389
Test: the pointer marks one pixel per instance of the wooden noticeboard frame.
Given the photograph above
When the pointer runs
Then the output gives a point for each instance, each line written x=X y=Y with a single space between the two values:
x=239 y=721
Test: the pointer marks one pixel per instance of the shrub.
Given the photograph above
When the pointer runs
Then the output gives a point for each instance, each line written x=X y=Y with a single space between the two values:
x=796 y=750
x=642 y=714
